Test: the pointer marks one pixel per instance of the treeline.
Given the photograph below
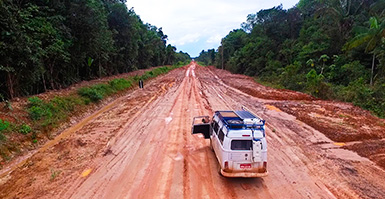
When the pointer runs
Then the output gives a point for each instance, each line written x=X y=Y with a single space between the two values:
x=53 y=44
x=330 y=49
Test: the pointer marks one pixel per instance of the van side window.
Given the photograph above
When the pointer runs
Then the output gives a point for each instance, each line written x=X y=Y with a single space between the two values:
x=221 y=136
x=215 y=127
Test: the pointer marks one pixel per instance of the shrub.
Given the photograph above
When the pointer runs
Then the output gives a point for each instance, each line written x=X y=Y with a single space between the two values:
x=90 y=93
x=66 y=104
x=25 y=129
x=136 y=78
x=313 y=83
x=3 y=125
x=35 y=101
x=104 y=89
x=49 y=113
x=120 y=84
x=291 y=77
x=39 y=109
x=36 y=112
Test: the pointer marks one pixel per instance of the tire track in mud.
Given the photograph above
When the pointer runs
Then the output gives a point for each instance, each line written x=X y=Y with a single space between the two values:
x=186 y=178
x=121 y=154
x=175 y=154
x=205 y=182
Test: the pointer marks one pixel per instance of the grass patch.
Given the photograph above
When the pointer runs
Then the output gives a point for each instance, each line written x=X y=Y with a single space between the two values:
x=120 y=84
x=98 y=92
x=95 y=93
x=52 y=112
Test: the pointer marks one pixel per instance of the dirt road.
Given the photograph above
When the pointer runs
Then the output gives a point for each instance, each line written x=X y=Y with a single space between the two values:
x=140 y=146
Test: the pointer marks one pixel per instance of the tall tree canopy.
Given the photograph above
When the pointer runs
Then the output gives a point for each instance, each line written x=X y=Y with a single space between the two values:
x=332 y=49
x=53 y=44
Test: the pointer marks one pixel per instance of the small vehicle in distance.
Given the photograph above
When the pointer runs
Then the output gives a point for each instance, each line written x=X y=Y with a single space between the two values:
x=238 y=140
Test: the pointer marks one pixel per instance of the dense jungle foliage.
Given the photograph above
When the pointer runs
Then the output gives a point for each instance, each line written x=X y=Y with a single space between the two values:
x=332 y=49
x=51 y=44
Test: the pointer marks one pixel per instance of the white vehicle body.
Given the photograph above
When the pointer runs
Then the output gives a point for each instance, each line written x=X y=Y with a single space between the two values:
x=238 y=141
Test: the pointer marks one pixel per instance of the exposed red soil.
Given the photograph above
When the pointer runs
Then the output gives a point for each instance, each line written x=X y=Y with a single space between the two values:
x=373 y=149
x=257 y=90
x=140 y=146
x=341 y=122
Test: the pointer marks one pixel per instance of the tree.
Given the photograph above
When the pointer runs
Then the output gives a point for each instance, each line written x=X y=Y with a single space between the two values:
x=53 y=44
x=373 y=38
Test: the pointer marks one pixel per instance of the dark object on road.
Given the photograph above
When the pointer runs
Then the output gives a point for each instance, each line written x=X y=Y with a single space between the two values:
x=140 y=83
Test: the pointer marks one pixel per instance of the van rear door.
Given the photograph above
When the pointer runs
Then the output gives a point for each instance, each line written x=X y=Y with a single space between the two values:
x=202 y=125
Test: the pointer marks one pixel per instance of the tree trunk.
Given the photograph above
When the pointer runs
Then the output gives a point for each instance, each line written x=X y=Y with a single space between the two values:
x=222 y=55
x=371 y=76
x=10 y=86
x=44 y=85
x=100 y=70
x=52 y=77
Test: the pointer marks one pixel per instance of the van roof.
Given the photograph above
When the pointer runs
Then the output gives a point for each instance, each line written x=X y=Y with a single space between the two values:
x=240 y=119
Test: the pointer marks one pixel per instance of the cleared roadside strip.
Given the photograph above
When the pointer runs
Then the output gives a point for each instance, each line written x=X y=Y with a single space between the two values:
x=64 y=134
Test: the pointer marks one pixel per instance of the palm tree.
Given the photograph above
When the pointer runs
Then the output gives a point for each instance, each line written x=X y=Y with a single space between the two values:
x=373 y=38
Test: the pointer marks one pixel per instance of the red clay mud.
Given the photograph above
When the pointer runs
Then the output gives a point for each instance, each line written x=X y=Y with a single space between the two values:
x=140 y=146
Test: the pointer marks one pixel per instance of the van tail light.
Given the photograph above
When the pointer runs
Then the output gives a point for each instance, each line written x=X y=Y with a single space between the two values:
x=226 y=165
x=265 y=165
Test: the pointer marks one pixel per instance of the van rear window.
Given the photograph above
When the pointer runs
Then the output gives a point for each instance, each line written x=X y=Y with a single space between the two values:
x=241 y=145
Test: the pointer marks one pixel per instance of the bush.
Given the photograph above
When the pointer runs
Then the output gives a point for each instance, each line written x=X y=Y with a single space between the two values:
x=25 y=129
x=313 y=83
x=3 y=125
x=49 y=113
x=90 y=93
x=120 y=84
x=66 y=104
x=362 y=95
x=35 y=101
x=99 y=91
x=36 y=112
x=291 y=77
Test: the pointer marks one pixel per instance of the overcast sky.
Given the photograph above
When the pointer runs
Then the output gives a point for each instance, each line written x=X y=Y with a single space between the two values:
x=193 y=26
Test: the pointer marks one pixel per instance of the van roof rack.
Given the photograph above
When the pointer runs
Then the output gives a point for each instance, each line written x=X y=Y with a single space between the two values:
x=245 y=115
x=240 y=119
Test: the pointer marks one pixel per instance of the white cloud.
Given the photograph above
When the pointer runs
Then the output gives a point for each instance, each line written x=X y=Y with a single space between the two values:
x=214 y=39
x=189 y=38
x=203 y=22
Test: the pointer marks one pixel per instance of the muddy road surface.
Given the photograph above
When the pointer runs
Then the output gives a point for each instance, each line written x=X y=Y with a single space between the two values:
x=140 y=146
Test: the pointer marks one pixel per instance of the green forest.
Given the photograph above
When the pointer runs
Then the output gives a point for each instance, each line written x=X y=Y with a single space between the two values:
x=52 y=44
x=333 y=50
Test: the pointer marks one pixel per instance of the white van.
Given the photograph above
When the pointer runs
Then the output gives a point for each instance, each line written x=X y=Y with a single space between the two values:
x=238 y=141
